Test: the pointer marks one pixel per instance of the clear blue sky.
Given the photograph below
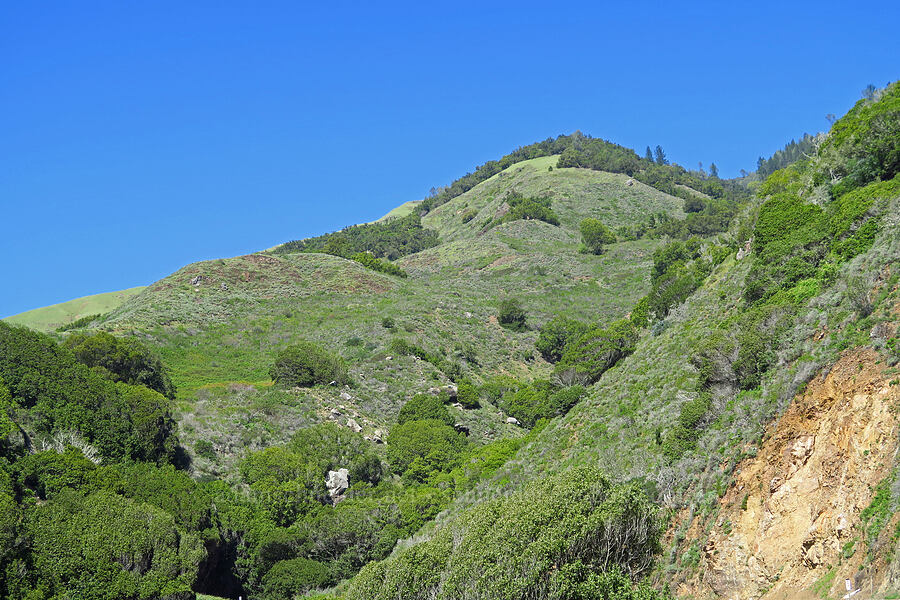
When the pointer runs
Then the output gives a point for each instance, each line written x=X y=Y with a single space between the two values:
x=138 y=137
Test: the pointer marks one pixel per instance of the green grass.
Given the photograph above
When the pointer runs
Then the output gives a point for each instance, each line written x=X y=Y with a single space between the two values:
x=49 y=318
x=400 y=211
x=243 y=310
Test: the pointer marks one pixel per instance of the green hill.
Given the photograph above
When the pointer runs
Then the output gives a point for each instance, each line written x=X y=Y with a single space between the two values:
x=49 y=318
x=610 y=379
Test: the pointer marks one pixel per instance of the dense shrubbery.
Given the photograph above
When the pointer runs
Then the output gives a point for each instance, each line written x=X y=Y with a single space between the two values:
x=540 y=399
x=377 y=264
x=521 y=207
x=122 y=359
x=450 y=368
x=420 y=447
x=306 y=364
x=391 y=239
x=424 y=406
x=571 y=524
x=59 y=394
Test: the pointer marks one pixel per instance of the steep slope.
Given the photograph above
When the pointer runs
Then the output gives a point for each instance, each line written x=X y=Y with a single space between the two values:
x=794 y=510
x=49 y=318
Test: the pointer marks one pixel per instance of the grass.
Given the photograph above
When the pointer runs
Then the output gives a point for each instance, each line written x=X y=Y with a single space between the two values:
x=226 y=327
x=401 y=211
x=51 y=317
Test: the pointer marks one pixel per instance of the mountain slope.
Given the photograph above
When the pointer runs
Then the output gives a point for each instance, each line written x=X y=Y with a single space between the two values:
x=49 y=318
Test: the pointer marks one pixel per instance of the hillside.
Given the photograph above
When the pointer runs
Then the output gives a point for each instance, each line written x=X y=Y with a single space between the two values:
x=610 y=380
x=49 y=318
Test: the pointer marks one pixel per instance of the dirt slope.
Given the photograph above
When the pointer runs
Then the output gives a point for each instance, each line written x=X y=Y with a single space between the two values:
x=795 y=506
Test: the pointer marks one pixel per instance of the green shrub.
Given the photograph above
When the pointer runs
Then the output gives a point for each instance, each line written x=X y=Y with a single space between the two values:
x=468 y=215
x=388 y=323
x=595 y=235
x=204 y=449
x=506 y=547
x=432 y=441
x=521 y=207
x=555 y=334
x=294 y=577
x=306 y=364
x=122 y=359
x=467 y=394
x=587 y=357
x=511 y=315
x=377 y=264
x=105 y=546
x=424 y=406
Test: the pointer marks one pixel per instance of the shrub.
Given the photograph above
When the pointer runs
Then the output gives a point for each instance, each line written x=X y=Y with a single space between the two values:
x=122 y=359
x=432 y=441
x=468 y=215
x=204 y=449
x=507 y=547
x=377 y=264
x=293 y=578
x=555 y=334
x=388 y=323
x=521 y=207
x=511 y=316
x=306 y=364
x=595 y=235
x=424 y=406
x=467 y=394
x=591 y=354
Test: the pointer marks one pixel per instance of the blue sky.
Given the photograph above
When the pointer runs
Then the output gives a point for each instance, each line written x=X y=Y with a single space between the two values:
x=138 y=137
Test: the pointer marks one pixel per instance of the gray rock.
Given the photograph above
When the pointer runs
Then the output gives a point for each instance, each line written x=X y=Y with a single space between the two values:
x=512 y=421
x=337 y=483
x=353 y=425
x=345 y=396
x=197 y=280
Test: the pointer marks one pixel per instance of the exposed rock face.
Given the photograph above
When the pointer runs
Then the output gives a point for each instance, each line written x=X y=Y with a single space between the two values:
x=744 y=250
x=512 y=420
x=197 y=280
x=353 y=425
x=803 y=492
x=337 y=483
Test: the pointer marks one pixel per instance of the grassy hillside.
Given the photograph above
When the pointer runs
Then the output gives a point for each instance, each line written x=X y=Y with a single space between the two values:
x=51 y=317
x=401 y=211
x=219 y=334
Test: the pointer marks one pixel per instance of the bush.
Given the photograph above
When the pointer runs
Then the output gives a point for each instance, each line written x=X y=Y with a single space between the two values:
x=424 y=406
x=294 y=577
x=204 y=449
x=521 y=207
x=591 y=354
x=555 y=334
x=511 y=315
x=122 y=359
x=306 y=364
x=388 y=323
x=595 y=235
x=431 y=441
x=508 y=547
x=467 y=394
x=377 y=264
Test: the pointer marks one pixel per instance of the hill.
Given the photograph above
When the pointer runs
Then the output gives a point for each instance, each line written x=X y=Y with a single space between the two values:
x=574 y=373
x=49 y=318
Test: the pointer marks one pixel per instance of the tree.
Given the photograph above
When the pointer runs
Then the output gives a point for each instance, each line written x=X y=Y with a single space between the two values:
x=648 y=155
x=661 y=156
x=713 y=170
x=594 y=352
x=555 y=334
x=511 y=315
x=869 y=92
x=595 y=235
x=306 y=364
